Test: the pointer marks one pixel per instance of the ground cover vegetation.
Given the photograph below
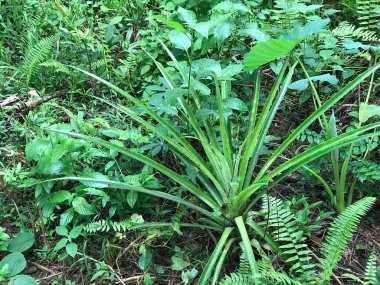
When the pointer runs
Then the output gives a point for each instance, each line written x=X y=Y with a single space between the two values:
x=189 y=142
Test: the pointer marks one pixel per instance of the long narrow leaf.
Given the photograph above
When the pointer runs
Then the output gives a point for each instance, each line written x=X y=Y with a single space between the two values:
x=315 y=115
x=214 y=257
x=150 y=162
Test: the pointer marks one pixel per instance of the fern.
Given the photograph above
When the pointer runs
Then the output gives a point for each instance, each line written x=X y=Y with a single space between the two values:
x=267 y=275
x=371 y=270
x=366 y=10
x=346 y=31
x=271 y=276
x=237 y=279
x=107 y=225
x=59 y=67
x=285 y=230
x=340 y=233
x=34 y=56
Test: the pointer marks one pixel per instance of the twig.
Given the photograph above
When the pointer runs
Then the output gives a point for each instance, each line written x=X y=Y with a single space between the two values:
x=39 y=266
x=131 y=245
x=48 y=277
x=109 y=266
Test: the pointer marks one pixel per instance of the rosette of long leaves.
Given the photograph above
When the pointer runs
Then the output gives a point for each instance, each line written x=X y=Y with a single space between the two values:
x=228 y=179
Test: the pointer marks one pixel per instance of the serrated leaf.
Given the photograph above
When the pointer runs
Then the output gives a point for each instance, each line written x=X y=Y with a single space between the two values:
x=94 y=175
x=81 y=206
x=265 y=52
x=35 y=148
x=21 y=242
x=66 y=217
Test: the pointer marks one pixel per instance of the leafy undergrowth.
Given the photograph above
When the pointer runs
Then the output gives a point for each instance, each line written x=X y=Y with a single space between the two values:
x=189 y=142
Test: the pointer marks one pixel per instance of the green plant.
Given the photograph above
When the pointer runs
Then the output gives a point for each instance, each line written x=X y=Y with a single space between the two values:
x=225 y=184
x=368 y=13
x=14 y=263
x=340 y=170
x=304 y=267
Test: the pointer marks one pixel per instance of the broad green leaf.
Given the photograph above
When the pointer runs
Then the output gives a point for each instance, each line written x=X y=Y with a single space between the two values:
x=301 y=85
x=132 y=198
x=61 y=244
x=297 y=7
x=66 y=217
x=21 y=242
x=146 y=260
x=188 y=16
x=309 y=29
x=265 y=52
x=223 y=31
x=81 y=206
x=188 y=275
x=75 y=232
x=178 y=263
x=22 y=280
x=180 y=40
x=368 y=111
x=235 y=103
x=16 y=263
x=175 y=25
x=230 y=71
x=94 y=175
x=62 y=231
x=203 y=67
x=34 y=149
x=230 y=7
x=60 y=196
x=72 y=249
x=203 y=28
x=255 y=33
x=116 y=20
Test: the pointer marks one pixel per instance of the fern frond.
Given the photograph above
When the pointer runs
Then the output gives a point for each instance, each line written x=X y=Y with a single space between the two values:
x=371 y=269
x=366 y=10
x=340 y=233
x=237 y=279
x=58 y=66
x=107 y=226
x=346 y=31
x=284 y=229
x=271 y=276
x=36 y=55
